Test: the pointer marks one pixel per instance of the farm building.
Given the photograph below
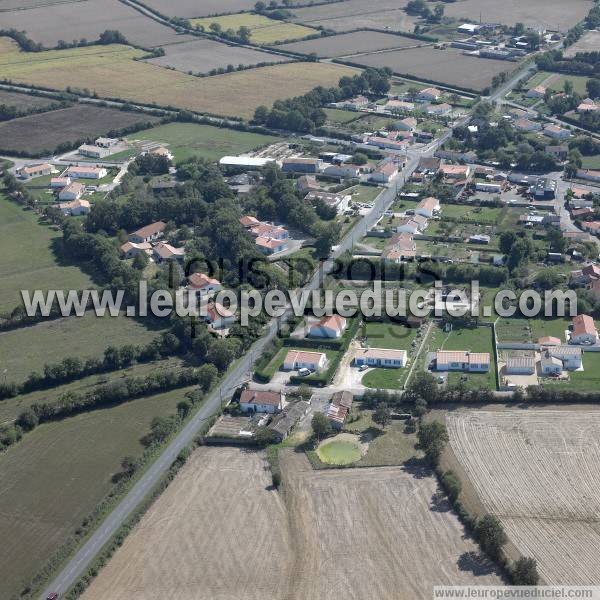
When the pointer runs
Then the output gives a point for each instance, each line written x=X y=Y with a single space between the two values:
x=584 y=331
x=328 y=327
x=86 y=172
x=163 y=252
x=76 y=208
x=283 y=423
x=549 y=340
x=131 y=249
x=338 y=408
x=261 y=401
x=73 y=191
x=342 y=171
x=35 y=171
x=307 y=183
x=520 y=365
x=301 y=165
x=455 y=171
x=244 y=162
x=162 y=151
x=302 y=359
x=571 y=356
x=381 y=357
x=490 y=188
x=201 y=284
x=93 y=151
x=472 y=362
x=428 y=207
x=105 y=142
x=218 y=316
x=149 y=233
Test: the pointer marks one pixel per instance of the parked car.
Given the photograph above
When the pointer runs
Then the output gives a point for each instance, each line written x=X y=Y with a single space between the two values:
x=52 y=596
x=363 y=367
x=303 y=372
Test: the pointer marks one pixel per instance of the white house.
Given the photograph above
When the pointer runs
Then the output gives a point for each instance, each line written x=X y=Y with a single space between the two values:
x=35 y=171
x=407 y=124
x=570 y=356
x=201 y=285
x=163 y=251
x=302 y=359
x=342 y=171
x=550 y=365
x=584 y=331
x=131 y=249
x=58 y=183
x=384 y=172
x=520 y=365
x=413 y=225
x=73 y=191
x=332 y=326
x=429 y=94
x=149 y=233
x=75 y=208
x=472 y=362
x=218 y=316
x=271 y=245
x=86 y=172
x=428 y=207
x=381 y=357
x=261 y=401
x=556 y=132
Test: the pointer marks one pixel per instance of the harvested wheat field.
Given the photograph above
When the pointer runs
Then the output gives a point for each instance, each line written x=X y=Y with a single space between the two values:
x=375 y=533
x=218 y=531
x=112 y=72
x=539 y=472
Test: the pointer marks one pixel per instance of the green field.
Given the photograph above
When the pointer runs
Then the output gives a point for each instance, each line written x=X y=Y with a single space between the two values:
x=481 y=214
x=339 y=117
x=390 y=335
x=28 y=260
x=186 y=140
x=338 y=452
x=58 y=473
x=29 y=349
x=556 y=82
x=263 y=29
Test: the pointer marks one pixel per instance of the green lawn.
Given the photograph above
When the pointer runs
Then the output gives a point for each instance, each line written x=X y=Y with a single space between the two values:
x=338 y=116
x=554 y=327
x=390 y=335
x=58 y=473
x=481 y=214
x=587 y=380
x=513 y=330
x=339 y=452
x=385 y=379
x=28 y=349
x=591 y=162
x=364 y=193
x=186 y=140
x=28 y=260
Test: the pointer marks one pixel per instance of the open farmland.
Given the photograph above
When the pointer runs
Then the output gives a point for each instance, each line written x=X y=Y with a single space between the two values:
x=353 y=14
x=55 y=476
x=28 y=349
x=202 y=56
x=354 y=527
x=112 y=72
x=68 y=21
x=449 y=67
x=589 y=42
x=539 y=472
x=550 y=14
x=350 y=43
x=37 y=266
x=42 y=133
x=189 y=139
x=263 y=30
x=218 y=531
x=25 y=102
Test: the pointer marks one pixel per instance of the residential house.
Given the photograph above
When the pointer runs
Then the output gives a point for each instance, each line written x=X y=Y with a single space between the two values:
x=428 y=207
x=31 y=171
x=149 y=233
x=439 y=110
x=269 y=230
x=429 y=164
x=332 y=327
x=401 y=246
x=105 y=142
x=587 y=106
x=537 y=92
x=548 y=340
x=429 y=95
x=163 y=251
x=398 y=106
x=162 y=151
x=203 y=285
x=303 y=359
x=218 y=316
x=456 y=155
x=261 y=401
x=338 y=408
x=407 y=124
x=520 y=365
x=93 y=151
x=271 y=245
x=301 y=165
x=381 y=357
x=479 y=239
x=560 y=153
x=550 y=365
x=571 y=356
x=458 y=172
x=338 y=201
x=556 y=132
x=345 y=171
x=384 y=172
x=594 y=289
x=527 y=126
x=413 y=225
x=248 y=221
x=584 y=331
x=75 y=208
x=388 y=143
x=131 y=249
x=73 y=191
x=580 y=213
x=58 y=183
x=86 y=172
x=592 y=227
x=588 y=174
x=472 y=362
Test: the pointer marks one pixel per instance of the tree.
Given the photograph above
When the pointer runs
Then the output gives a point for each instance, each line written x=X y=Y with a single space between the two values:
x=360 y=158
x=320 y=425
x=183 y=408
x=423 y=385
x=568 y=87
x=524 y=571
x=491 y=535
x=438 y=12
x=432 y=439
x=27 y=420
x=382 y=415
x=593 y=88
x=261 y=115
x=420 y=408
x=244 y=34
x=140 y=262
x=452 y=485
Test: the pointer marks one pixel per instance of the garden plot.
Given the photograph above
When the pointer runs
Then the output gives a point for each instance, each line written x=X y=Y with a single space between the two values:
x=450 y=67
x=68 y=21
x=347 y=44
x=539 y=472
x=202 y=56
